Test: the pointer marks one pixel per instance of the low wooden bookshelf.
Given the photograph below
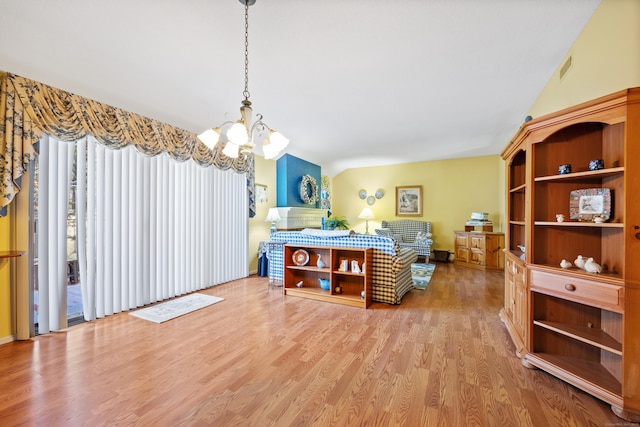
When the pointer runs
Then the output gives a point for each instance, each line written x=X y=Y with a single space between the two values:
x=345 y=287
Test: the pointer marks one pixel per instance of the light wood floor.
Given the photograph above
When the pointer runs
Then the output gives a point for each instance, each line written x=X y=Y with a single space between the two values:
x=441 y=358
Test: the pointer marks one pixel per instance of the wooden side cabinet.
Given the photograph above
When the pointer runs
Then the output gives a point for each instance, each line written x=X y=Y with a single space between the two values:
x=345 y=287
x=479 y=249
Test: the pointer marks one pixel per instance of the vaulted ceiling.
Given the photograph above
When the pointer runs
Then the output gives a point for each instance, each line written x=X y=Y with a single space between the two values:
x=351 y=83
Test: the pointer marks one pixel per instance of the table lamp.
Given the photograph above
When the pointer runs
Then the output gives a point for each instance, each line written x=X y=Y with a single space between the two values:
x=366 y=214
x=273 y=216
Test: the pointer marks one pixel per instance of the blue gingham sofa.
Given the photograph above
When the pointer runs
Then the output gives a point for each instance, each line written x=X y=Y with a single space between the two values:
x=410 y=234
x=391 y=263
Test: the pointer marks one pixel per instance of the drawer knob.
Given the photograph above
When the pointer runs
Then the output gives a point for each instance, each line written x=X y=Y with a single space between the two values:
x=570 y=287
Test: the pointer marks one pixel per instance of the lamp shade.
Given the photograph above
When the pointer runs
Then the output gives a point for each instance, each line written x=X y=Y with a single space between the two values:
x=231 y=150
x=366 y=214
x=273 y=215
x=238 y=134
x=210 y=137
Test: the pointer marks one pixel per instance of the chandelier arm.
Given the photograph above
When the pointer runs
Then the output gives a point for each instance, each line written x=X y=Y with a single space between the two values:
x=259 y=123
x=228 y=122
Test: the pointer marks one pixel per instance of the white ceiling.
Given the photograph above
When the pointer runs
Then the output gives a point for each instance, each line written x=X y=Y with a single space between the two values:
x=351 y=83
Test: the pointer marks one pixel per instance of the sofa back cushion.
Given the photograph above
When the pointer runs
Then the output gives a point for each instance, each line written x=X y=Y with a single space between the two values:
x=386 y=232
x=384 y=244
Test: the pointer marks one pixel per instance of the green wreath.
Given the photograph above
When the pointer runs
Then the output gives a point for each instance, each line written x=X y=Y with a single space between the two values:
x=308 y=180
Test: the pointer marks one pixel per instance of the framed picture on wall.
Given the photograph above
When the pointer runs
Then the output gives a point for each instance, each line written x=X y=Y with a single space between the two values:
x=409 y=200
x=261 y=193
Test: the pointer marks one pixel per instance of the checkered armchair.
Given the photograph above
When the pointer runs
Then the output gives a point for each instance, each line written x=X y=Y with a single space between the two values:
x=409 y=233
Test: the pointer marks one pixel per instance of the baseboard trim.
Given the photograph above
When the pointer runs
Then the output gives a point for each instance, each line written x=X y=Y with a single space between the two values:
x=8 y=339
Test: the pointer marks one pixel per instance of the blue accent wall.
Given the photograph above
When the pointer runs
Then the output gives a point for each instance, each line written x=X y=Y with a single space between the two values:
x=289 y=173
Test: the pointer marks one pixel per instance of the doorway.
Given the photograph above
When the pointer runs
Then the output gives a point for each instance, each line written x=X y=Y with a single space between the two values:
x=69 y=300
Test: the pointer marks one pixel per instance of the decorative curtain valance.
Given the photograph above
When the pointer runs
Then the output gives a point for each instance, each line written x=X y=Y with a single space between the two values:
x=29 y=109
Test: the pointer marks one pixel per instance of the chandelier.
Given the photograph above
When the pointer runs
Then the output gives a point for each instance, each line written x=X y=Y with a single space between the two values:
x=241 y=136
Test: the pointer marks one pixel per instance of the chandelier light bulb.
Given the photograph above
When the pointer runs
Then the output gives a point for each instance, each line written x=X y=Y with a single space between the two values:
x=269 y=150
x=210 y=137
x=278 y=140
x=231 y=150
x=238 y=133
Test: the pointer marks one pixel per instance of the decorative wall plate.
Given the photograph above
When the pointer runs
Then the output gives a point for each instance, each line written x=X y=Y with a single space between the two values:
x=362 y=194
x=300 y=257
x=588 y=203
x=379 y=193
x=371 y=200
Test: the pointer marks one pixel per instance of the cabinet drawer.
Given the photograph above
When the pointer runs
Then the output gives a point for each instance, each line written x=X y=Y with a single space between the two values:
x=477 y=242
x=461 y=240
x=584 y=291
x=462 y=254
x=477 y=257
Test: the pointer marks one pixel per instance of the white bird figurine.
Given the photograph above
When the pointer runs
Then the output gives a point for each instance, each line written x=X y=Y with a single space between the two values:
x=299 y=284
x=565 y=264
x=320 y=263
x=579 y=262
x=592 y=267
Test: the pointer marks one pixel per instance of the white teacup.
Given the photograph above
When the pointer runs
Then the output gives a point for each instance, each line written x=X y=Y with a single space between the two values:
x=560 y=217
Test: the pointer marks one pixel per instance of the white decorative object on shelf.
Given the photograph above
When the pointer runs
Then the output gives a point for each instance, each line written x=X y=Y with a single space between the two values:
x=560 y=217
x=320 y=263
x=565 y=264
x=480 y=216
x=355 y=268
x=579 y=262
x=592 y=267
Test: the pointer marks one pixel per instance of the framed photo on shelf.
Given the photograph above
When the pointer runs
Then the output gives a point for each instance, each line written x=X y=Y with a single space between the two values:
x=261 y=193
x=409 y=200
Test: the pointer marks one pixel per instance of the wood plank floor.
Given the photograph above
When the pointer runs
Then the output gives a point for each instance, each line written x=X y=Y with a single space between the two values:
x=441 y=358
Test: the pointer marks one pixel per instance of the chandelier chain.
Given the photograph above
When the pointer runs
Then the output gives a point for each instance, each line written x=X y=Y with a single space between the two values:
x=246 y=50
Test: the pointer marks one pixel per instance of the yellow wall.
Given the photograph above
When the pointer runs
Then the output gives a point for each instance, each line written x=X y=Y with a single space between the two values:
x=259 y=229
x=605 y=58
x=452 y=189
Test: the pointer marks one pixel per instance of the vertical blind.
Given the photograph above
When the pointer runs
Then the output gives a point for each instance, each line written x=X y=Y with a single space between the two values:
x=149 y=228
x=54 y=183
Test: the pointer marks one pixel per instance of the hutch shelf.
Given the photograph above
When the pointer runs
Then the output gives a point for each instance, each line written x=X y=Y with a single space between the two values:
x=581 y=327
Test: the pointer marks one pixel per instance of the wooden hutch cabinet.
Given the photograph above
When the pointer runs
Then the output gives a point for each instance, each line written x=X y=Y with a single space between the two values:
x=582 y=327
